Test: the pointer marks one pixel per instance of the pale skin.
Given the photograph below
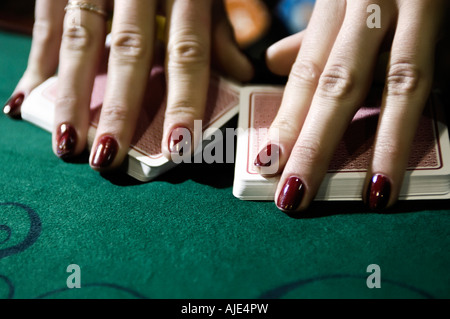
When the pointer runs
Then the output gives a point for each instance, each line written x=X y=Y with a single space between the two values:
x=198 y=34
x=330 y=66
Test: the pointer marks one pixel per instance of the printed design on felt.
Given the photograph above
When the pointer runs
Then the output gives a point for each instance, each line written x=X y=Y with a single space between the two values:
x=35 y=228
x=30 y=239
x=7 y=248
x=282 y=291
x=6 y=233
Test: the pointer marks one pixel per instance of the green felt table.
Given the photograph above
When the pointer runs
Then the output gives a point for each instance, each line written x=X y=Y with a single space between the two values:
x=185 y=235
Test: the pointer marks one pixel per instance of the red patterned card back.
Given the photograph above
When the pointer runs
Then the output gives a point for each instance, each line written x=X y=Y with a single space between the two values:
x=355 y=149
x=221 y=98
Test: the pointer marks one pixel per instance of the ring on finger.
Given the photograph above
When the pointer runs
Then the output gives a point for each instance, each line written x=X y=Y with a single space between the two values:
x=83 y=5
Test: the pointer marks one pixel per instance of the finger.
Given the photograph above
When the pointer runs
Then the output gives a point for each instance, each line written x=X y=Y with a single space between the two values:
x=342 y=86
x=43 y=58
x=316 y=46
x=227 y=57
x=81 y=47
x=187 y=69
x=129 y=65
x=281 y=55
x=408 y=84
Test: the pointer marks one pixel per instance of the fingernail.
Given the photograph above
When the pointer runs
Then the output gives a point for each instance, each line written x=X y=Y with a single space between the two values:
x=105 y=152
x=268 y=156
x=378 y=193
x=12 y=107
x=66 y=138
x=180 y=141
x=291 y=194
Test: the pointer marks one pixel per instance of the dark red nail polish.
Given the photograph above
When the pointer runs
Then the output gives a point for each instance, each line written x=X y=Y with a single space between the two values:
x=105 y=152
x=378 y=193
x=268 y=156
x=66 y=139
x=180 y=141
x=291 y=194
x=12 y=107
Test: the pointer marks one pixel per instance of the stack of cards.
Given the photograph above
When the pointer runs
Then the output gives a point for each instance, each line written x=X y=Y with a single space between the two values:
x=145 y=159
x=427 y=176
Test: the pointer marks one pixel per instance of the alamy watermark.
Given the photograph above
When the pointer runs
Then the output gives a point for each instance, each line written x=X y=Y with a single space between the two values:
x=74 y=279
x=374 y=279
x=374 y=19
x=219 y=146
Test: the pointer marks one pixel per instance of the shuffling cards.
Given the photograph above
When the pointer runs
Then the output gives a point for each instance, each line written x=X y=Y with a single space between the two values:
x=428 y=172
x=145 y=159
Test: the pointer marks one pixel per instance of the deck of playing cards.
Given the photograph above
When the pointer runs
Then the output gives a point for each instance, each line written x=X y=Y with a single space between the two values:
x=427 y=176
x=145 y=160
x=428 y=172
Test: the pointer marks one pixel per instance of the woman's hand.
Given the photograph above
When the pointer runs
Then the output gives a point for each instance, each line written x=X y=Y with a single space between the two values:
x=72 y=39
x=331 y=66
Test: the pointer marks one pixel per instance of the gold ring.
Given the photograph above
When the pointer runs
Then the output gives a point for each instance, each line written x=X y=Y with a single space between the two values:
x=82 y=5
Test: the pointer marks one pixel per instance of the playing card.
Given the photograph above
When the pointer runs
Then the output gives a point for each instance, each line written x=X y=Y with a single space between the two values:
x=145 y=160
x=428 y=172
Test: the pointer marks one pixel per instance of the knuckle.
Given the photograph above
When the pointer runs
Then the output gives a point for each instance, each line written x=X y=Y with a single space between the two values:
x=388 y=151
x=402 y=78
x=76 y=38
x=305 y=73
x=183 y=109
x=44 y=32
x=65 y=103
x=128 y=45
x=311 y=152
x=188 y=52
x=337 y=82
x=114 y=114
x=285 y=127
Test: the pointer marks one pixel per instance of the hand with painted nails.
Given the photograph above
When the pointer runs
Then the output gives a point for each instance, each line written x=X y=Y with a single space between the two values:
x=331 y=67
x=70 y=36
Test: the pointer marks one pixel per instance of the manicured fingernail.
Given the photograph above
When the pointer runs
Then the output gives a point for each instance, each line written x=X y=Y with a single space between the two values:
x=378 y=193
x=12 y=107
x=268 y=156
x=66 y=139
x=180 y=141
x=105 y=152
x=291 y=194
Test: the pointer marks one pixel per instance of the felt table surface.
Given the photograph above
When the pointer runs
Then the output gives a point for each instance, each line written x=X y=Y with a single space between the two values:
x=185 y=235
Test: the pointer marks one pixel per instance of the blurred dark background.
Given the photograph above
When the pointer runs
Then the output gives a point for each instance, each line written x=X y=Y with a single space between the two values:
x=257 y=23
x=17 y=15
